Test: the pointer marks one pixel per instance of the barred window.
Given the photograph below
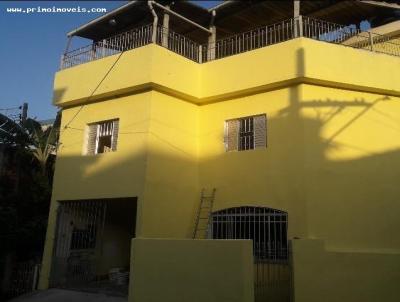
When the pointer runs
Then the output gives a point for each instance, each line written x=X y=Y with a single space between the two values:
x=265 y=226
x=102 y=137
x=246 y=133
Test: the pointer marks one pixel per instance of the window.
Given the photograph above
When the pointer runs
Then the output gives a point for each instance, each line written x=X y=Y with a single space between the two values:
x=102 y=137
x=84 y=238
x=246 y=133
x=266 y=227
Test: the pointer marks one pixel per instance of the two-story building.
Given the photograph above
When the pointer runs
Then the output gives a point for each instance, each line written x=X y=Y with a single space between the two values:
x=275 y=121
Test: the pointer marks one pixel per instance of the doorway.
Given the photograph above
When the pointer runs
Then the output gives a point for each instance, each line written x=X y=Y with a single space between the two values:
x=92 y=244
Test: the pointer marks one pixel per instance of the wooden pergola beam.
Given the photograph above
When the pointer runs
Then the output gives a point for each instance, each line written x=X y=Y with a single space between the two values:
x=296 y=8
x=381 y=4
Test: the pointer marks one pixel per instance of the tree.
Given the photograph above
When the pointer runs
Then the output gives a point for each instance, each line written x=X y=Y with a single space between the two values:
x=29 y=136
x=27 y=156
x=43 y=142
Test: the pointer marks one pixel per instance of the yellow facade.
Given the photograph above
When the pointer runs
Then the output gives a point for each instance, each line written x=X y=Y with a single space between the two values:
x=343 y=275
x=332 y=159
x=191 y=270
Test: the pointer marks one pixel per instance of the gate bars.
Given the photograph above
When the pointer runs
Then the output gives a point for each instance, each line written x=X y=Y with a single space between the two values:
x=268 y=230
x=78 y=241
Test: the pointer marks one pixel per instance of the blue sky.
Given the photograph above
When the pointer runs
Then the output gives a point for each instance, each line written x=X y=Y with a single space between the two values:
x=30 y=50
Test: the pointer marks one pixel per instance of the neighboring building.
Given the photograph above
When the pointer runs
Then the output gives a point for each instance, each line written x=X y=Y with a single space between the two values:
x=46 y=123
x=298 y=134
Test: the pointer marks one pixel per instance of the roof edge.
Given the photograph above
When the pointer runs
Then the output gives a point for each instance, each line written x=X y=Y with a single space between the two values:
x=105 y=16
x=222 y=5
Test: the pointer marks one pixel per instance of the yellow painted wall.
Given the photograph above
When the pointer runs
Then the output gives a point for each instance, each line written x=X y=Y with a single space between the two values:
x=332 y=154
x=171 y=182
x=107 y=175
x=352 y=161
x=136 y=70
x=294 y=61
x=191 y=270
x=332 y=159
x=127 y=164
x=344 y=276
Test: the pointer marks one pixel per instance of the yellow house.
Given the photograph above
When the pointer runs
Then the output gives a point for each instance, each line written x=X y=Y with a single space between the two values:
x=263 y=120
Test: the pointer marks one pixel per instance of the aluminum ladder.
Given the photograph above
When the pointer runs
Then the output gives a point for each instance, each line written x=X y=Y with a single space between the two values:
x=203 y=214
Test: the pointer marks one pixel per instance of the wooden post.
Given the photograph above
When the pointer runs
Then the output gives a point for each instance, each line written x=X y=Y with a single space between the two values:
x=24 y=114
x=371 y=41
x=200 y=54
x=212 y=38
x=296 y=8
x=165 y=31
x=296 y=16
x=155 y=22
x=62 y=61
x=211 y=43
x=300 y=24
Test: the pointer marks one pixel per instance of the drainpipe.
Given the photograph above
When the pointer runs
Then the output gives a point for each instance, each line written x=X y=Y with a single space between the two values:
x=155 y=21
x=212 y=38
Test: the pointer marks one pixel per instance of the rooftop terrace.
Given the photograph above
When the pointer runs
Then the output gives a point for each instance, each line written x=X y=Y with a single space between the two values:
x=246 y=41
x=234 y=27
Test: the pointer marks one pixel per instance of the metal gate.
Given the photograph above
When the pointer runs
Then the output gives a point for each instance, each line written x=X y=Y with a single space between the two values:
x=268 y=230
x=79 y=232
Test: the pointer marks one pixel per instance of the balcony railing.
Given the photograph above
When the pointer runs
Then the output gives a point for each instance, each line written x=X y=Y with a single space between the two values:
x=129 y=40
x=250 y=40
x=260 y=37
x=349 y=36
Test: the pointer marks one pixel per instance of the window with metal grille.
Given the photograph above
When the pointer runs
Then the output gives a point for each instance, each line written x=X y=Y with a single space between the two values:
x=102 y=137
x=83 y=238
x=266 y=227
x=246 y=133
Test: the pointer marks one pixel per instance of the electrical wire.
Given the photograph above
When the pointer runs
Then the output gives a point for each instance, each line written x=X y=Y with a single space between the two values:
x=92 y=93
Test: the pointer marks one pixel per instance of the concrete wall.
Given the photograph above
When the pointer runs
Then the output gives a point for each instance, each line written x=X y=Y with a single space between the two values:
x=291 y=62
x=333 y=139
x=344 y=275
x=191 y=270
x=107 y=175
x=331 y=153
x=172 y=191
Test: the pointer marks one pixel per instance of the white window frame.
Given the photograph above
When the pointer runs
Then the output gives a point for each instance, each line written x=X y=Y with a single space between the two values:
x=101 y=132
x=95 y=131
x=238 y=138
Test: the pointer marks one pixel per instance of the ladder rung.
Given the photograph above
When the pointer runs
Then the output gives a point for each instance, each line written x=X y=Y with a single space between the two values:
x=204 y=212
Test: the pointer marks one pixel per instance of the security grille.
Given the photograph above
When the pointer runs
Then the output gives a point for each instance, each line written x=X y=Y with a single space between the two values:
x=246 y=133
x=80 y=225
x=267 y=228
x=102 y=137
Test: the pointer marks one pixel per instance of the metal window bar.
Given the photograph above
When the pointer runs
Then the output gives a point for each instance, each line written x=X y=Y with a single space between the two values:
x=267 y=228
x=246 y=133
x=104 y=129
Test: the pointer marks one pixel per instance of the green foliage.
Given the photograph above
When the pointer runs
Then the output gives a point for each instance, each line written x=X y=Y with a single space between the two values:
x=27 y=156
